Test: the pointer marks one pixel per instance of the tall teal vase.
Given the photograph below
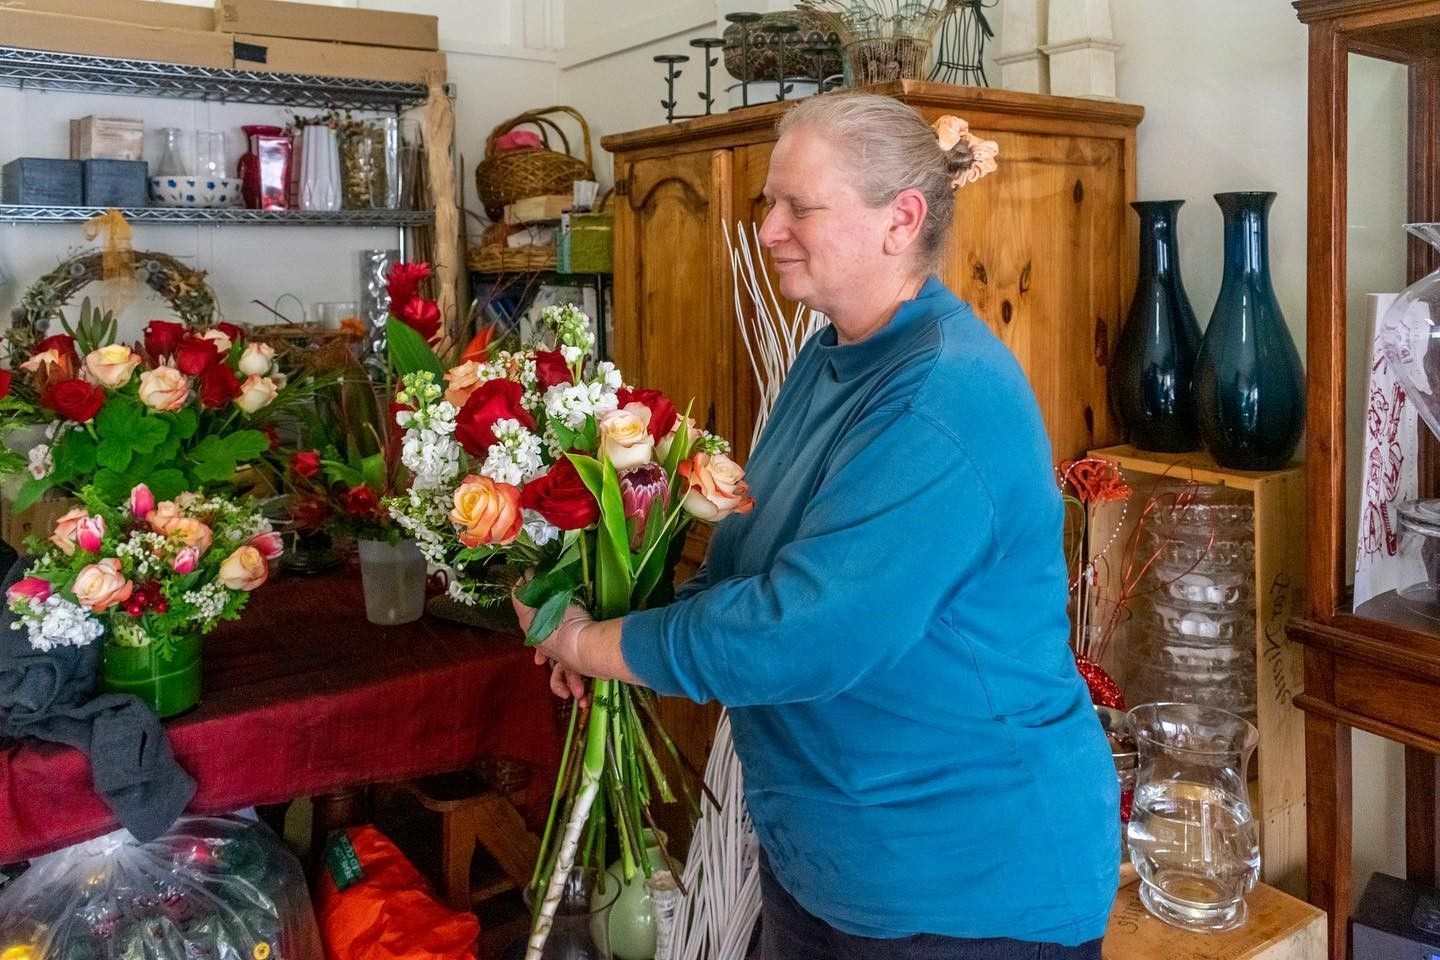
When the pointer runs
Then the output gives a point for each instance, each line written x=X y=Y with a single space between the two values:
x=1249 y=386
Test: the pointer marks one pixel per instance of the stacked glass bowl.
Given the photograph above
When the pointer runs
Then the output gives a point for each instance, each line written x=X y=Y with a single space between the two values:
x=1194 y=633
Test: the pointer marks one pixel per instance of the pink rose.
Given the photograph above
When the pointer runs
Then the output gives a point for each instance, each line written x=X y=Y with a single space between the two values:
x=101 y=585
x=185 y=561
x=142 y=501
x=31 y=588
x=90 y=533
x=717 y=487
x=164 y=388
x=111 y=366
x=270 y=544
x=245 y=569
x=65 y=527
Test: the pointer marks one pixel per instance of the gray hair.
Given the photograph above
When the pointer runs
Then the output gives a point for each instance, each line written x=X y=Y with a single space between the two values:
x=889 y=148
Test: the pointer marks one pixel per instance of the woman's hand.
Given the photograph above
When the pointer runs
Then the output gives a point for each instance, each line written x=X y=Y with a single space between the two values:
x=561 y=649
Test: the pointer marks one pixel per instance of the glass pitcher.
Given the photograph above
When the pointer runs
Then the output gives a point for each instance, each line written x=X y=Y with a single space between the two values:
x=1192 y=836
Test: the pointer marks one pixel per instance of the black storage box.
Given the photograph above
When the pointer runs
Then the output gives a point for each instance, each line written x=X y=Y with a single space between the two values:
x=40 y=181
x=116 y=183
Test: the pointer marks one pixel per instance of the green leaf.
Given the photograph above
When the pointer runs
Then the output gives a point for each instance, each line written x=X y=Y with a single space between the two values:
x=117 y=420
x=183 y=423
x=614 y=580
x=337 y=472
x=213 y=459
x=372 y=472
x=247 y=445
x=73 y=456
x=679 y=449
x=409 y=353
x=548 y=616
x=114 y=453
x=534 y=591
x=113 y=485
x=148 y=433
x=31 y=491
x=166 y=484
x=649 y=575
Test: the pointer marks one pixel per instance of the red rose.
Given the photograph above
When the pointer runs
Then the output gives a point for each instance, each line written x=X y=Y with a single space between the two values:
x=61 y=342
x=218 y=385
x=422 y=315
x=551 y=368
x=162 y=337
x=403 y=282
x=561 y=497
x=195 y=355
x=493 y=400
x=361 y=501
x=663 y=414
x=235 y=334
x=305 y=463
x=4 y=384
x=75 y=400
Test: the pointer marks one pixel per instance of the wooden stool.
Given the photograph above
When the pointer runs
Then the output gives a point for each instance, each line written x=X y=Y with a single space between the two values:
x=477 y=809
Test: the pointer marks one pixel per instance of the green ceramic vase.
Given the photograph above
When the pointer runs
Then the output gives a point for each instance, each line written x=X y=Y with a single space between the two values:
x=631 y=921
x=170 y=685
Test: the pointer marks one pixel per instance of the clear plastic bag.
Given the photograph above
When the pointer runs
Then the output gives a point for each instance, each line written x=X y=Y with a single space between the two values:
x=213 y=888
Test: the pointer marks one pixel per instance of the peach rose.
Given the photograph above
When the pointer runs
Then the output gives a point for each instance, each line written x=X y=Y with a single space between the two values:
x=244 y=569
x=486 y=512
x=66 y=528
x=625 y=439
x=662 y=449
x=257 y=360
x=164 y=389
x=191 y=532
x=717 y=487
x=256 y=393
x=101 y=585
x=164 y=514
x=112 y=366
x=461 y=382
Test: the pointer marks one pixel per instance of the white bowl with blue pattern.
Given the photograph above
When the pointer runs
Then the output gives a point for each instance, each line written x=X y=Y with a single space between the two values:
x=195 y=191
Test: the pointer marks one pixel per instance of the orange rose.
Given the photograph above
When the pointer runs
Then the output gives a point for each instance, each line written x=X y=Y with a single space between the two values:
x=66 y=528
x=461 y=382
x=717 y=487
x=190 y=532
x=164 y=514
x=625 y=438
x=486 y=512
x=101 y=585
x=245 y=569
x=164 y=389
x=111 y=366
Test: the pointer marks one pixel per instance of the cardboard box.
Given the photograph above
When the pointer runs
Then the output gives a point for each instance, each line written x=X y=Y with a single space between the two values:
x=150 y=13
x=279 y=55
x=538 y=209
x=116 y=183
x=107 y=38
x=107 y=138
x=308 y=21
x=41 y=181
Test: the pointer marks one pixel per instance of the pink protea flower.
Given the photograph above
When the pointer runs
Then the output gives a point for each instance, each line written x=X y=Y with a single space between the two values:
x=31 y=588
x=142 y=501
x=90 y=533
x=640 y=488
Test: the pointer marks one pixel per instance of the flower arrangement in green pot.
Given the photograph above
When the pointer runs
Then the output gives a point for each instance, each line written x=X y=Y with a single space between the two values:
x=150 y=577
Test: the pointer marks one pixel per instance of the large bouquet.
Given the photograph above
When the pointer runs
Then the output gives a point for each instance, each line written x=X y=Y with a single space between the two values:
x=548 y=461
x=180 y=411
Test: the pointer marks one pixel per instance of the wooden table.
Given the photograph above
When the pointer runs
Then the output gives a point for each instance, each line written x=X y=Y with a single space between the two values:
x=304 y=697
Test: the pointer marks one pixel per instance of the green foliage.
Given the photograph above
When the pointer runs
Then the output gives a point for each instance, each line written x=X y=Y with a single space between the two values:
x=409 y=353
x=214 y=459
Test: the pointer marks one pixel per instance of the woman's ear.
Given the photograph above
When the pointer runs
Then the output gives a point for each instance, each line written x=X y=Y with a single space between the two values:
x=907 y=217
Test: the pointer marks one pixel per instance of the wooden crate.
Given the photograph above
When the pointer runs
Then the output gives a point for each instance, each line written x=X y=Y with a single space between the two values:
x=1279 y=927
x=1278 y=496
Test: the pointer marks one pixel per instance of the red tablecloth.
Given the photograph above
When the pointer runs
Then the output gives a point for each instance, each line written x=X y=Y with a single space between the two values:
x=303 y=696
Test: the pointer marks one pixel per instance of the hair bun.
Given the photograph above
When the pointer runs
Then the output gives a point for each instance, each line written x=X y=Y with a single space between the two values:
x=959 y=159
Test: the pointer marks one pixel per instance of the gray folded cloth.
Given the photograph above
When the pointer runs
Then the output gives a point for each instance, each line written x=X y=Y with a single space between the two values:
x=51 y=695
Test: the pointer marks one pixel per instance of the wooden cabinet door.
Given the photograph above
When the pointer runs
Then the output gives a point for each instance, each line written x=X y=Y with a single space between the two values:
x=1041 y=251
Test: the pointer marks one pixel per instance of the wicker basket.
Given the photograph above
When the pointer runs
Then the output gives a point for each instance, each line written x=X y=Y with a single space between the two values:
x=498 y=258
x=506 y=176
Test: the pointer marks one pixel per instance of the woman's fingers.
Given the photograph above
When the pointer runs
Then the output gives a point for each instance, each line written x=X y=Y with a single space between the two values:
x=558 y=684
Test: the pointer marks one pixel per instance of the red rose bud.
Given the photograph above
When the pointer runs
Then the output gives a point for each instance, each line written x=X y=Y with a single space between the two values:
x=74 y=400
x=551 y=368
x=195 y=355
x=663 y=414
x=4 y=384
x=162 y=337
x=421 y=315
x=235 y=334
x=305 y=463
x=403 y=282
x=218 y=385
x=561 y=497
x=492 y=401
x=361 y=501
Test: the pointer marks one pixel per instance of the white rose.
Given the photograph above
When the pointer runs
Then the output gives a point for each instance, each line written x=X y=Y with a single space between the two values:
x=257 y=359
x=625 y=439
x=256 y=393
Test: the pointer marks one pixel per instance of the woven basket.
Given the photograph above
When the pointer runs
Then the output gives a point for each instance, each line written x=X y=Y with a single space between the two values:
x=506 y=176
x=498 y=258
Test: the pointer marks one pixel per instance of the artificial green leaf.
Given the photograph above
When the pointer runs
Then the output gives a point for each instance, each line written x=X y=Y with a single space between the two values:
x=114 y=453
x=409 y=353
x=149 y=432
x=549 y=616
x=183 y=423
x=73 y=456
x=117 y=420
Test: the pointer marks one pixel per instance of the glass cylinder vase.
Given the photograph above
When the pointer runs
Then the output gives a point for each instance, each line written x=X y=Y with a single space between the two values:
x=1249 y=386
x=169 y=684
x=1154 y=363
x=580 y=927
x=393 y=575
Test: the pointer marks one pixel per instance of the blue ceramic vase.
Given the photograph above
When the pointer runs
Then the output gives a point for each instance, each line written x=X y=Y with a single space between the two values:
x=1249 y=386
x=1150 y=375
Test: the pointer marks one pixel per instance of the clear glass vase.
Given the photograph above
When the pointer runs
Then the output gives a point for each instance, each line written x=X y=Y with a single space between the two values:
x=581 y=924
x=393 y=575
x=1192 y=836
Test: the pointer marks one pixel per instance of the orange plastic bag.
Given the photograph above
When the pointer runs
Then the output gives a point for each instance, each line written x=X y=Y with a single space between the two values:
x=386 y=910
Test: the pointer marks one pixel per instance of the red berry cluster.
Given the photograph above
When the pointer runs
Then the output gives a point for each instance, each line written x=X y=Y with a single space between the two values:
x=147 y=596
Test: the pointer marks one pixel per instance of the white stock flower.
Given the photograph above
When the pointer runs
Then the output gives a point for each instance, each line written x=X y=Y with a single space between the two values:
x=538 y=529
x=41 y=462
x=56 y=622
x=514 y=457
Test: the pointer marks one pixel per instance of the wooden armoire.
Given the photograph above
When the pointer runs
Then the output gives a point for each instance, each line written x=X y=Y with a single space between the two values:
x=1044 y=250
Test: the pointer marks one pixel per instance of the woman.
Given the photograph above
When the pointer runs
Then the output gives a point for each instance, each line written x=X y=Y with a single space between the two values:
x=888 y=625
